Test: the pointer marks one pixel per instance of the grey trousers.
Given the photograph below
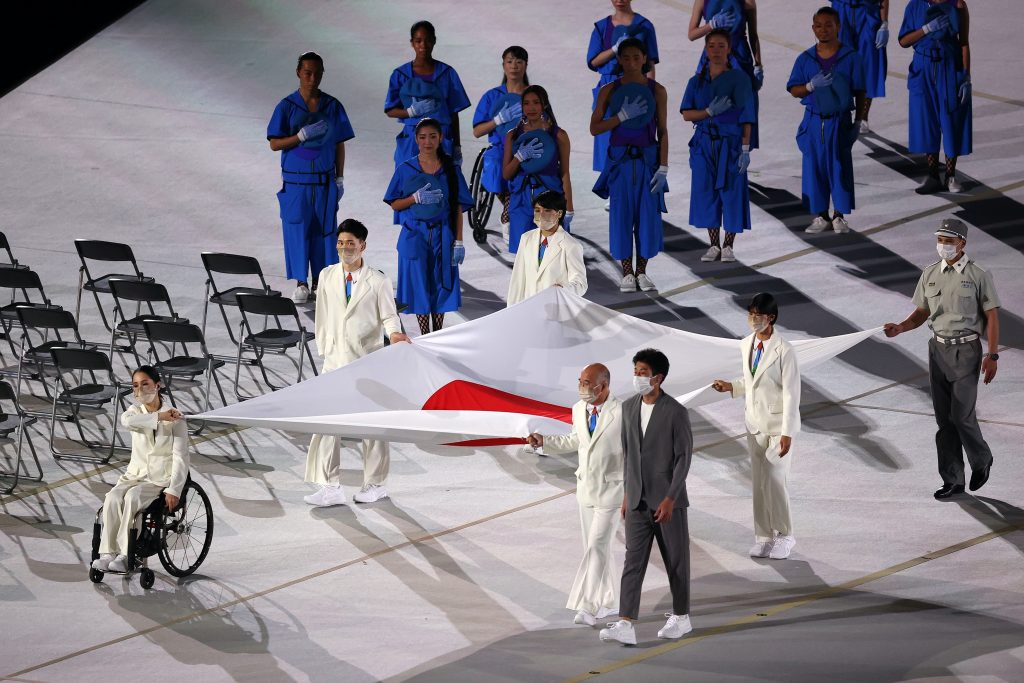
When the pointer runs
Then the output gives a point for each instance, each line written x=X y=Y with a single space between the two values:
x=674 y=543
x=953 y=376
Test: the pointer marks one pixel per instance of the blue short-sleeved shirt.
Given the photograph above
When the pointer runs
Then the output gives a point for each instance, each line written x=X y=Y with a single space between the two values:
x=292 y=114
x=847 y=63
x=601 y=40
x=484 y=113
x=446 y=80
x=698 y=95
x=411 y=168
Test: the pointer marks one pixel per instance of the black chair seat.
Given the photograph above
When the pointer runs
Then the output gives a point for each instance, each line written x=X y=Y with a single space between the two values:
x=92 y=394
x=11 y=422
x=41 y=354
x=10 y=311
x=229 y=297
x=186 y=365
x=14 y=266
x=137 y=324
x=275 y=338
x=102 y=283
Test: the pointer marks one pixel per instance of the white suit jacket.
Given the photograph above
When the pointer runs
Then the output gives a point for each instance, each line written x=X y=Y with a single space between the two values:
x=773 y=393
x=562 y=265
x=600 y=471
x=347 y=331
x=159 y=450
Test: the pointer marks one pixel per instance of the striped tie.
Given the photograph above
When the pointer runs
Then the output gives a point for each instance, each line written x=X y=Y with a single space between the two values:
x=348 y=288
x=757 y=358
x=543 y=248
x=593 y=420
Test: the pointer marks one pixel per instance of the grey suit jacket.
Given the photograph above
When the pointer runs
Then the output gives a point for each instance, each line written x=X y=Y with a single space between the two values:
x=656 y=464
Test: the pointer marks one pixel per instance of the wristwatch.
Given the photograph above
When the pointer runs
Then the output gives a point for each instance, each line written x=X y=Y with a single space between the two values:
x=993 y=356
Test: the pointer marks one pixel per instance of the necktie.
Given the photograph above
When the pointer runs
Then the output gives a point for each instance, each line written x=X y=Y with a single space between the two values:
x=348 y=288
x=593 y=420
x=757 y=358
x=543 y=248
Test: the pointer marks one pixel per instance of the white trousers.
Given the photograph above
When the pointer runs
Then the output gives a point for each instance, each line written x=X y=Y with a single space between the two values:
x=770 y=488
x=323 y=461
x=596 y=585
x=120 y=506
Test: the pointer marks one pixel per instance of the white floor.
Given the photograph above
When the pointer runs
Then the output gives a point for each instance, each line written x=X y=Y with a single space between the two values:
x=153 y=133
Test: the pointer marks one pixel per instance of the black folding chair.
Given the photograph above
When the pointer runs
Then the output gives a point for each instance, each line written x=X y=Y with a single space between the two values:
x=231 y=264
x=22 y=280
x=17 y=421
x=272 y=339
x=131 y=329
x=186 y=365
x=110 y=252
x=78 y=394
x=11 y=262
x=56 y=329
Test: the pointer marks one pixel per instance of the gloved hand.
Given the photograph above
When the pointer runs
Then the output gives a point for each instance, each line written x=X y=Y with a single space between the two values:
x=458 y=253
x=938 y=24
x=718 y=105
x=425 y=195
x=508 y=114
x=615 y=47
x=339 y=182
x=819 y=80
x=421 y=107
x=313 y=131
x=725 y=19
x=531 y=149
x=659 y=180
x=882 y=36
x=759 y=74
x=567 y=220
x=632 y=108
x=964 y=92
x=744 y=162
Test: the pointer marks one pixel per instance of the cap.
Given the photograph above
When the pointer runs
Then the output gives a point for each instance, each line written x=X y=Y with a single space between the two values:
x=952 y=227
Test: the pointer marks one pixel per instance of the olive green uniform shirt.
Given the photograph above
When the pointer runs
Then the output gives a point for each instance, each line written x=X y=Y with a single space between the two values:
x=956 y=297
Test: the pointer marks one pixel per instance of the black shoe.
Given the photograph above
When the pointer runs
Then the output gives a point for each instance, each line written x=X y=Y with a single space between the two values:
x=979 y=477
x=931 y=185
x=948 y=491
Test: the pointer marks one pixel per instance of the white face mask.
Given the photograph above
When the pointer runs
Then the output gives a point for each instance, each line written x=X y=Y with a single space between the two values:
x=947 y=252
x=546 y=223
x=588 y=395
x=144 y=397
x=642 y=385
x=350 y=257
x=759 y=324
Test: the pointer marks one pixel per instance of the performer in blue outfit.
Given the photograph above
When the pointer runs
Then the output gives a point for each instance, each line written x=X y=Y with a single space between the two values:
x=828 y=79
x=635 y=176
x=719 y=102
x=864 y=26
x=497 y=111
x=429 y=194
x=536 y=160
x=309 y=128
x=739 y=19
x=425 y=87
x=602 y=55
x=939 y=82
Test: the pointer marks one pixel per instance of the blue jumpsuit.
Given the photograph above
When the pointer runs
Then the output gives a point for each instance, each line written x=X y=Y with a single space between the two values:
x=826 y=139
x=601 y=40
x=455 y=100
x=524 y=187
x=308 y=196
x=719 y=194
x=739 y=52
x=635 y=212
x=492 y=179
x=859 y=21
x=935 y=76
x=428 y=279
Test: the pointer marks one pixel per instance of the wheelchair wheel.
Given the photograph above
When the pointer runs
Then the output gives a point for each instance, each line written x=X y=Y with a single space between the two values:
x=147 y=577
x=482 y=200
x=186 y=533
x=95 y=575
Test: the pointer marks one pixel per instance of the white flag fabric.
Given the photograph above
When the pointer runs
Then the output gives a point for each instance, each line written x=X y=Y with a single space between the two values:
x=500 y=377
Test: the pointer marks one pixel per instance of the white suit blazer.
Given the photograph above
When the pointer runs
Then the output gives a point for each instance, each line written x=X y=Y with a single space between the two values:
x=600 y=471
x=772 y=395
x=349 y=330
x=562 y=265
x=159 y=450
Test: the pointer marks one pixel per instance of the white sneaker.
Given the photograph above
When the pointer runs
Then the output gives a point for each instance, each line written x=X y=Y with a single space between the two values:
x=711 y=254
x=819 y=224
x=504 y=232
x=585 y=618
x=628 y=283
x=102 y=562
x=301 y=294
x=782 y=546
x=762 y=549
x=644 y=283
x=326 y=497
x=606 y=612
x=118 y=564
x=677 y=626
x=727 y=255
x=864 y=127
x=840 y=225
x=370 y=494
x=620 y=630
x=953 y=185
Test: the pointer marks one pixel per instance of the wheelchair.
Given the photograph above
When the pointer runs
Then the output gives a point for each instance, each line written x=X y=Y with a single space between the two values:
x=180 y=537
x=483 y=200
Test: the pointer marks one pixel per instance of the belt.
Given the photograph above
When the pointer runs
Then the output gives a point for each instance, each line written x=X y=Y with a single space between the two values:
x=953 y=341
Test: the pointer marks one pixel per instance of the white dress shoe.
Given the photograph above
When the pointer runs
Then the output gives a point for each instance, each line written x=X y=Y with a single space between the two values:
x=819 y=224
x=645 y=284
x=301 y=294
x=620 y=631
x=102 y=562
x=840 y=225
x=628 y=283
x=584 y=618
x=782 y=547
x=370 y=494
x=727 y=255
x=677 y=626
x=711 y=254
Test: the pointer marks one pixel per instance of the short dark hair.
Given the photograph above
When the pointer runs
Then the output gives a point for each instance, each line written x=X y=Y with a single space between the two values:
x=354 y=228
x=720 y=32
x=549 y=199
x=830 y=11
x=765 y=304
x=309 y=57
x=426 y=26
x=149 y=371
x=635 y=43
x=653 y=358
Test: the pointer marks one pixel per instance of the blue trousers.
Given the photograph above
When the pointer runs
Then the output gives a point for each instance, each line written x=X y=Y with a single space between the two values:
x=634 y=216
x=719 y=194
x=826 y=144
x=935 y=111
x=309 y=221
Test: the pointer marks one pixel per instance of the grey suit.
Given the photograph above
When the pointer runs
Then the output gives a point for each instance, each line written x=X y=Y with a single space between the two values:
x=656 y=465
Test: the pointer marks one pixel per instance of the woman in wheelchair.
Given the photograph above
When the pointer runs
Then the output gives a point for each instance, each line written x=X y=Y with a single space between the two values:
x=159 y=462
